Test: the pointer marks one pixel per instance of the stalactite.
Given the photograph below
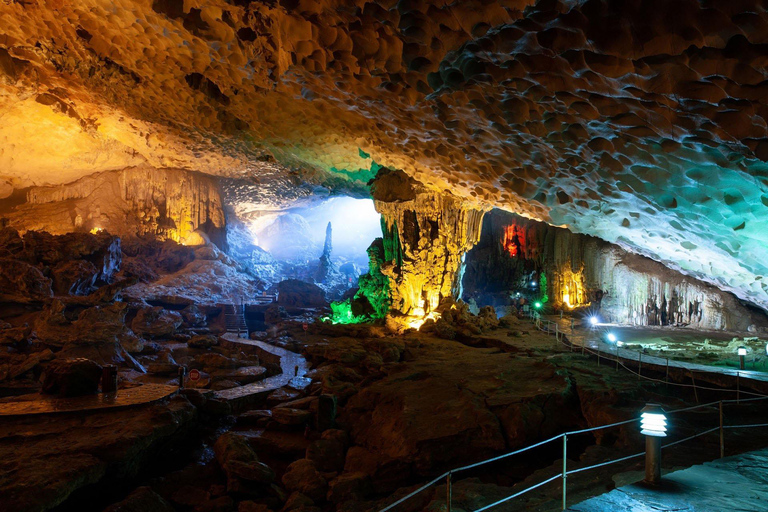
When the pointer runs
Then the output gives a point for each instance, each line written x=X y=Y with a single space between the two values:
x=426 y=234
x=585 y=271
x=162 y=203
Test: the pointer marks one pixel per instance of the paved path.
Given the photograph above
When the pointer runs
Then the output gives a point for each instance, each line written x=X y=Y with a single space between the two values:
x=738 y=483
x=294 y=368
x=43 y=404
x=591 y=339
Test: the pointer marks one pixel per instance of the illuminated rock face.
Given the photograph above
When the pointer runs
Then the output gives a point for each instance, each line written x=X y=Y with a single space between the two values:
x=580 y=270
x=425 y=237
x=642 y=123
x=168 y=204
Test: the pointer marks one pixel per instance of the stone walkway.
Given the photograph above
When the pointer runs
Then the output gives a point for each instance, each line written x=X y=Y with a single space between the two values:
x=294 y=368
x=632 y=358
x=738 y=483
x=42 y=404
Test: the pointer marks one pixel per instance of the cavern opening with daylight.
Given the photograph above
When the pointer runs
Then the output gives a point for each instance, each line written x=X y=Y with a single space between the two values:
x=383 y=255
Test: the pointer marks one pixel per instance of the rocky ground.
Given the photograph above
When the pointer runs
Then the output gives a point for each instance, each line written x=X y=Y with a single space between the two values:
x=384 y=412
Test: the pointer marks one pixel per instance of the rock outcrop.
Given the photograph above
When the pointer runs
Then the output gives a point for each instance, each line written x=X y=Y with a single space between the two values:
x=166 y=204
x=565 y=270
x=425 y=237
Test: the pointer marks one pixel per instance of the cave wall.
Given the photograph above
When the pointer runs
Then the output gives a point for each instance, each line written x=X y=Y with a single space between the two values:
x=167 y=204
x=580 y=270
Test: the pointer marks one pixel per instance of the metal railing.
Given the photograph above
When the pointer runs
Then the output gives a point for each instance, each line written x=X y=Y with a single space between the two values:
x=560 y=337
x=563 y=476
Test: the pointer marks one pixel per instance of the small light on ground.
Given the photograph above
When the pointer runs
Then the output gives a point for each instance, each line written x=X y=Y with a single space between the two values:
x=742 y=351
x=611 y=337
x=593 y=320
x=653 y=421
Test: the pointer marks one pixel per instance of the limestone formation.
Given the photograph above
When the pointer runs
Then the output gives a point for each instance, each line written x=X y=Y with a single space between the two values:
x=166 y=204
x=516 y=255
x=638 y=122
x=425 y=237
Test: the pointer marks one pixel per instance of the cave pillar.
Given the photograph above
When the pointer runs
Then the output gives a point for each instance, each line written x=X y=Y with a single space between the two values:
x=426 y=234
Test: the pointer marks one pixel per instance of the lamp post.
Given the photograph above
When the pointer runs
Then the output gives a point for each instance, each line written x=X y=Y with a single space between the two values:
x=653 y=426
x=742 y=351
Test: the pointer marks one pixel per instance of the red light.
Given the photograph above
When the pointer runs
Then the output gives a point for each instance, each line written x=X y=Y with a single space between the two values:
x=514 y=240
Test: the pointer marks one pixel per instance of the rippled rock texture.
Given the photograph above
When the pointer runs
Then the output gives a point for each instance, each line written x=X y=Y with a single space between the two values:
x=638 y=122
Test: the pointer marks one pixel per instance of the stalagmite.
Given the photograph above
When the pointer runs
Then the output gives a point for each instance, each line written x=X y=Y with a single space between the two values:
x=425 y=237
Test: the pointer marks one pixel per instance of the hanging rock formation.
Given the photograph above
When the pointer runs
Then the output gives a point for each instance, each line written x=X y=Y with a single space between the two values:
x=167 y=204
x=426 y=234
x=572 y=270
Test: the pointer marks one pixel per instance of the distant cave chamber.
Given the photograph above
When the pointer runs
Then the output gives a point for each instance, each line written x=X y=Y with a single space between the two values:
x=518 y=260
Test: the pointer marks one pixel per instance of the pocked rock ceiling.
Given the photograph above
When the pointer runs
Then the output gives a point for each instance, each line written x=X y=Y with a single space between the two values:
x=641 y=122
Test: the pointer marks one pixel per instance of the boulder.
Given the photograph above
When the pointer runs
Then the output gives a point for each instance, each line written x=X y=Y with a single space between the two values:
x=251 y=506
x=156 y=322
x=232 y=447
x=142 y=499
x=19 y=364
x=240 y=463
x=350 y=487
x=295 y=501
x=303 y=476
x=327 y=454
x=251 y=471
x=23 y=280
x=72 y=377
x=203 y=341
x=295 y=293
x=76 y=277
x=288 y=416
x=193 y=316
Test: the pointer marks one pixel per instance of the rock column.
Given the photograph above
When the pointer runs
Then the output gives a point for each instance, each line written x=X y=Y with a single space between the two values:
x=426 y=235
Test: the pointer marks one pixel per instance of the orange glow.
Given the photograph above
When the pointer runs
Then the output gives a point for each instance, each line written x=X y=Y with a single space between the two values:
x=570 y=286
x=514 y=240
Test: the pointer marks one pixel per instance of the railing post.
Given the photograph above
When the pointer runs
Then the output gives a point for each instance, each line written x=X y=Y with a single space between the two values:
x=565 y=470
x=666 y=379
x=722 y=432
x=738 y=388
x=448 y=491
x=617 y=357
x=639 y=364
x=598 y=352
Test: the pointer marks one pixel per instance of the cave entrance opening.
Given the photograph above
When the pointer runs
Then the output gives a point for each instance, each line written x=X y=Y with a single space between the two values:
x=322 y=243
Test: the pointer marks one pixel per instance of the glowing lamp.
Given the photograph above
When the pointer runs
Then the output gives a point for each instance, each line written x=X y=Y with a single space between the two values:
x=653 y=422
x=653 y=425
x=611 y=337
x=593 y=320
x=766 y=349
x=537 y=305
x=742 y=351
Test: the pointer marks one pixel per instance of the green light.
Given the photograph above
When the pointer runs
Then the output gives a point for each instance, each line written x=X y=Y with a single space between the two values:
x=537 y=305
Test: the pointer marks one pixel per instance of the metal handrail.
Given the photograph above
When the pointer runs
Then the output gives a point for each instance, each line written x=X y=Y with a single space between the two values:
x=564 y=437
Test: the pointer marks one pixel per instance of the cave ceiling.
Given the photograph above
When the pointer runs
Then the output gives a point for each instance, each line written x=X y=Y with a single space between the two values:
x=640 y=122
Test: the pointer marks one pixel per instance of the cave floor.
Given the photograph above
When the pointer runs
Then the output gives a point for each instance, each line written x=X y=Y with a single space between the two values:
x=733 y=483
x=516 y=373
x=714 y=349
x=413 y=406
